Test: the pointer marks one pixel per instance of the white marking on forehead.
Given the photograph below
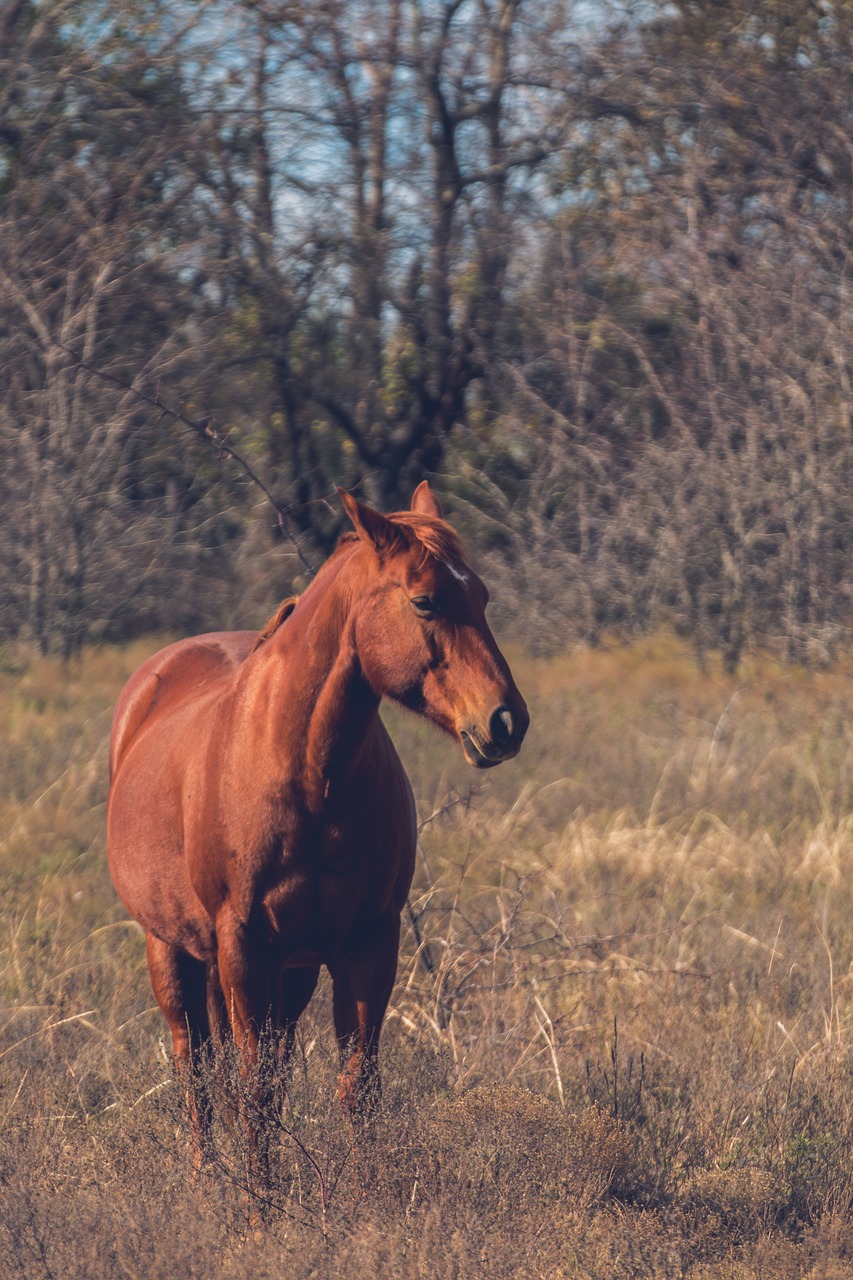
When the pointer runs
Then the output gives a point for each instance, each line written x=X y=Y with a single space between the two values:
x=457 y=573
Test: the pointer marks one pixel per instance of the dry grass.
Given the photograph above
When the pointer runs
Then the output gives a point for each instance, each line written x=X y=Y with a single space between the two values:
x=621 y=1045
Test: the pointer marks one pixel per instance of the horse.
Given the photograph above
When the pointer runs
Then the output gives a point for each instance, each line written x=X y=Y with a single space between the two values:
x=260 y=822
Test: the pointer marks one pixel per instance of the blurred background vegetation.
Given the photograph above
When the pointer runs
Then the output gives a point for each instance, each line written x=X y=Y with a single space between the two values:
x=584 y=265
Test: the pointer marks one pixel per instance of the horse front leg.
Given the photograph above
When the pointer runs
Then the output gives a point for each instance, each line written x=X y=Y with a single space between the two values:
x=362 y=985
x=246 y=992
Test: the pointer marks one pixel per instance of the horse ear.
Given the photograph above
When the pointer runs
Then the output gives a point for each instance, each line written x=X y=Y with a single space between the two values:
x=371 y=526
x=425 y=502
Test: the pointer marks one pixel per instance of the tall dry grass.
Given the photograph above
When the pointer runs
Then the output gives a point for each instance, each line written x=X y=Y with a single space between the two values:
x=620 y=1042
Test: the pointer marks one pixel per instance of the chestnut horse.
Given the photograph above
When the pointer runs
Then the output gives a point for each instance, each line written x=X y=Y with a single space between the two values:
x=260 y=822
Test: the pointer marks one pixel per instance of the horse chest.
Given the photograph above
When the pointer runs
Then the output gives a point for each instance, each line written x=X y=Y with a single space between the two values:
x=324 y=885
x=312 y=874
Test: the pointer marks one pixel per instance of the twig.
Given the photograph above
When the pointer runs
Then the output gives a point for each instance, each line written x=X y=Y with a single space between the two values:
x=206 y=429
x=546 y=1030
x=51 y=1026
x=423 y=951
x=466 y=800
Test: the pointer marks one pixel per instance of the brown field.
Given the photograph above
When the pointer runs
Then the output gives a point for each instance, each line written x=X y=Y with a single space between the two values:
x=621 y=1049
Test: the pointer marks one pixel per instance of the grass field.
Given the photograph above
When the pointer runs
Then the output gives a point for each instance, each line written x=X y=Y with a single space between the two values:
x=620 y=1043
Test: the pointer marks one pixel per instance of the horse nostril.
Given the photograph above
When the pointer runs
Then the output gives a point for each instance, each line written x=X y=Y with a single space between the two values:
x=501 y=726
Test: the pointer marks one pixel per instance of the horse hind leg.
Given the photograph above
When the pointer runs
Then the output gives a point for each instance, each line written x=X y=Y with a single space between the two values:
x=295 y=989
x=180 y=985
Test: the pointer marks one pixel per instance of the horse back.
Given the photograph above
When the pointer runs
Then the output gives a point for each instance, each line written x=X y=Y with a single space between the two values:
x=170 y=679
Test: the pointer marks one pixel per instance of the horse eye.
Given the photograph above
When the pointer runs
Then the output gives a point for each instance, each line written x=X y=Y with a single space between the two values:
x=424 y=605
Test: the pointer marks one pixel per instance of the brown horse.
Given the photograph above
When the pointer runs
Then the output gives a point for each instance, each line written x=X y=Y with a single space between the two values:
x=261 y=824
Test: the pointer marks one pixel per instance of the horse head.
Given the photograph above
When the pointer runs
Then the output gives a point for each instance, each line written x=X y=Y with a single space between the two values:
x=421 y=632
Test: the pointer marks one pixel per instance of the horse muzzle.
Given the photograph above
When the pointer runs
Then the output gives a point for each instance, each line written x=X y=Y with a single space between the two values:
x=502 y=740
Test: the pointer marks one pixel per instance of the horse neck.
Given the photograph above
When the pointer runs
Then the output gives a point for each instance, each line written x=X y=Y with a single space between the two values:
x=308 y=687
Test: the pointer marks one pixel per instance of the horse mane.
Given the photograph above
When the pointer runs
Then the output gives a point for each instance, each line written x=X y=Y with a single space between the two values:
x=282 y=613
x=436 y=538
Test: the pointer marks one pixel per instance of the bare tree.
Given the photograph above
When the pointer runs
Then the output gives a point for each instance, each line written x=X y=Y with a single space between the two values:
x=596 y=269
x=688 y=349
x=94 y=242
x=387 y=147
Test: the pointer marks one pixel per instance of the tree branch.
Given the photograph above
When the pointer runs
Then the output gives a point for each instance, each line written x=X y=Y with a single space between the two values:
x=205 y=428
